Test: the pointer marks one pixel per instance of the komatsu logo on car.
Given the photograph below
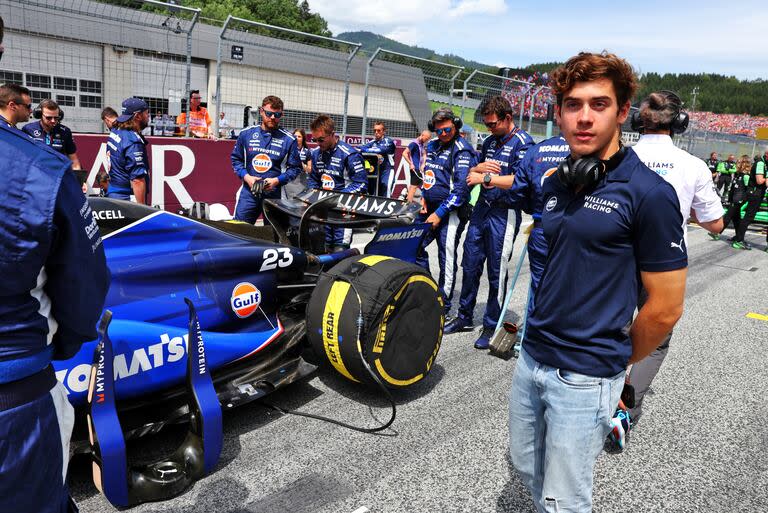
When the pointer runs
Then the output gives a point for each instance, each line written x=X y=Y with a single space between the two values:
x=125 y=365
x=411 y=234
x=245 y=299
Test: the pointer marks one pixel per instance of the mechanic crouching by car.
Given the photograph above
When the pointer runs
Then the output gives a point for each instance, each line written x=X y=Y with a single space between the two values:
x=54 y=283
x=331 y=161
x=265 y=158
x=127 y=149
x=445 y=197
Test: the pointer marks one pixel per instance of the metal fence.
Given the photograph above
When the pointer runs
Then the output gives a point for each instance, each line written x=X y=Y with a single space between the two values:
x=87 y=55
x=701 y=143
x=528 y=99
x=314 y=74
x=381 y=104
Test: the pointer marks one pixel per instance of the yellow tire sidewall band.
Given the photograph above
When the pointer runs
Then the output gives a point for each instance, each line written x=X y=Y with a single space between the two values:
x=330 y=326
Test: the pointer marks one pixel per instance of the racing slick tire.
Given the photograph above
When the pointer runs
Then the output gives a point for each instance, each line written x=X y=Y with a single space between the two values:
x=399 y=313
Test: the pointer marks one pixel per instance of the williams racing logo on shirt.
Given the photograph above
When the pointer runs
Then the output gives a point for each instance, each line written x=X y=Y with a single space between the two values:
x=600 y=204
x=261 y=163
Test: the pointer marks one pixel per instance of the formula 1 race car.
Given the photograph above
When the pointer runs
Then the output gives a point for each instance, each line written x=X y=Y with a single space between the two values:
x=271 y=304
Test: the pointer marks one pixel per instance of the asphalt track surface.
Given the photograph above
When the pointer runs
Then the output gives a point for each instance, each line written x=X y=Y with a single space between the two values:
x=700 y=446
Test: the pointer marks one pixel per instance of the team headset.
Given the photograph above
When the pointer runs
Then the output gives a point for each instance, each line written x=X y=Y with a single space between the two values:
x=38 y=112
x=457 y=122
x=587 y=171
x=679 y=122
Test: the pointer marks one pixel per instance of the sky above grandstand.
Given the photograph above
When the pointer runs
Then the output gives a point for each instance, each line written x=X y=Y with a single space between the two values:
x=666 y=36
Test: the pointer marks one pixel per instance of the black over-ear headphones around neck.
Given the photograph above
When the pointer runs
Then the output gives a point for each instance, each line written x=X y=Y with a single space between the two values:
x=38 y=112
x=587 y=171
x=679 y=121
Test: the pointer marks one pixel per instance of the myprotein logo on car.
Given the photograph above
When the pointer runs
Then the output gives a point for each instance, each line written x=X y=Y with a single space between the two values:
x=245 y=299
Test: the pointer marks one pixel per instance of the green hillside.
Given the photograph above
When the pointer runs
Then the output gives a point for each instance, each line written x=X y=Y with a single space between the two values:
x=371 y=42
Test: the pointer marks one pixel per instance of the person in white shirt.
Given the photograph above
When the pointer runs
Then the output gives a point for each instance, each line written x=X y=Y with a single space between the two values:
x=223 y=125
x=660 y=116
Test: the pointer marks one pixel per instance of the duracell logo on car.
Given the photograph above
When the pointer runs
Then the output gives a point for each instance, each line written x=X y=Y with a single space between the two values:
x=103 y=215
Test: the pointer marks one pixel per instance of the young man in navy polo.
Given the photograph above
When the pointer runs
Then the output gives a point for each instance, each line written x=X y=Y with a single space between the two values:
x=611 y=224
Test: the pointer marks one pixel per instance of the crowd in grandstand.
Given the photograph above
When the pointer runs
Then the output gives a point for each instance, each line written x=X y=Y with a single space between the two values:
x=741 y=124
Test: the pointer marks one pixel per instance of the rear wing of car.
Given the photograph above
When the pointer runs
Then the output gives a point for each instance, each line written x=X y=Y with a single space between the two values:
x=300 y=221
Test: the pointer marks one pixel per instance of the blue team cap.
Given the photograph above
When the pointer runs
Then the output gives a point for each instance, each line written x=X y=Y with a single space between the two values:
x=130 y=107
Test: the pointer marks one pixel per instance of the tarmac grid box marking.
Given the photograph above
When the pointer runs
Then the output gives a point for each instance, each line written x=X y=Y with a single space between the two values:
x=757 y=316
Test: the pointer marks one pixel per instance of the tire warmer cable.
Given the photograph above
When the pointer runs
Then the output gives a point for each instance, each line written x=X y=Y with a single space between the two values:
x=375 y=378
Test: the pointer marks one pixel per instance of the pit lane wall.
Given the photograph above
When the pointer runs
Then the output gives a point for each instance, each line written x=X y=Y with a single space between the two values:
x=183 y=171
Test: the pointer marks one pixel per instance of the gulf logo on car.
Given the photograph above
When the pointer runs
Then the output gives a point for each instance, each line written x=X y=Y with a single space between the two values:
x=245 y=299
x=429 y=178
x=327 y=182
x=261 y=163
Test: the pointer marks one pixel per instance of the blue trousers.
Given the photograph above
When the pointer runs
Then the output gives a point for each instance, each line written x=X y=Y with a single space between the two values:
x=558 y=421
x=34 y=453
x=248 y=208
x=119 y=194
x=447 y=236
x=490 y=239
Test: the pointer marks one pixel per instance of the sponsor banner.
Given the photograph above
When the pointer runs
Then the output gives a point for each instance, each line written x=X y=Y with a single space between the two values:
x=183 y=170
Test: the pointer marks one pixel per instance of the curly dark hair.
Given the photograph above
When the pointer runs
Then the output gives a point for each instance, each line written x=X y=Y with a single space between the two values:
x=587 y=67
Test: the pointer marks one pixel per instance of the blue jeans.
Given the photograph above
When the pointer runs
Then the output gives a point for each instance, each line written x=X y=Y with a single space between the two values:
x=558 y=421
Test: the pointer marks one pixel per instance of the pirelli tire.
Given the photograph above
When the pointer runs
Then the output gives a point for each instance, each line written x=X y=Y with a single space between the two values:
x=402 y=314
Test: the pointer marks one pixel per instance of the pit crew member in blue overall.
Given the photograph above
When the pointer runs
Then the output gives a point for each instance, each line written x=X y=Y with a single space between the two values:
x=384 y=147
x=445 y=197
x=331 y=160
x=54 y=283
x=264 y=152
x=51 y=132
x=127 y=151
x=611 y=224
x=493 y=226
x=525 y=193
